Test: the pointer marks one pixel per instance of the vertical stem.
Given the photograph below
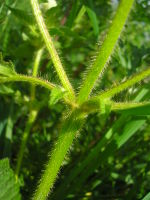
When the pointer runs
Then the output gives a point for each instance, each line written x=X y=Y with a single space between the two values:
x=106 y=49
x=32 y=115
x=8 y=133
x=35 y=71
x=69 y=129
x=51 y=49
x=31 y=119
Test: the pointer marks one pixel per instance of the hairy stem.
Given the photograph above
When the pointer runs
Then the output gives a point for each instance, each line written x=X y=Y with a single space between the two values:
x=98 y=105
x=128 y=105
x=68 y=131
x=29 y=79
x=36 y=81
x=51 y=48
x=130 y=82
x=106 y=49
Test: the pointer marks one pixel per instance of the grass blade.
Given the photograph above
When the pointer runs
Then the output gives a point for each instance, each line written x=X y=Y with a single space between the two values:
x=92 y=15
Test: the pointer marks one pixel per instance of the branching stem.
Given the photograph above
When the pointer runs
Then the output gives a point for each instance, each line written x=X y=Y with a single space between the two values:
x=75 y=120
x=37 y=81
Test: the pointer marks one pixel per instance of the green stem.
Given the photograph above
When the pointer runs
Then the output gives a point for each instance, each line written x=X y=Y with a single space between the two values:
x=35 y=70
x=130 y=82
x=31 y=119
x=106 y=49
x=97 y=105
x=37 y=81
x=32 y=115
x=68 y=131
x=80 y=15
x=51 y=48
x=30 y=79
x=128 y=105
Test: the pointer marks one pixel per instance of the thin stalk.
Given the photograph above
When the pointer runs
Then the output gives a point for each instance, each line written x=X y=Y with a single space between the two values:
x=106 y=50
x=31 y=119
x=51 y=49
x=68 y=132
x=29 y=79
x=128 y=105
x=130 y=82
x=37 y=81
x=80 y=15
x=9 y=133
x=32 y=115
x=35 y=70
x=97 y=105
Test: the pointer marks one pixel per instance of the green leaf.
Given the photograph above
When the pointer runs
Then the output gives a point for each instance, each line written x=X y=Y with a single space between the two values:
x=65 y=32
x=147 y=197
x=50 y=4
x=6 y=68
x=55 y=96
x=105 y=106
x=92 y=15
x=73 y=13
x=5 y=89
x=23 y=16
x=9 y=188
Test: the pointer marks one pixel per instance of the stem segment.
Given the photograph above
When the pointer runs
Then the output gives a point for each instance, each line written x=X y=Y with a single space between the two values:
x=35 y=70
x=51 y=49
x=31 y=119
x=128 y=105
x=32 y=115
x=106 y=49
x=30 y=79
x=69 y=129
x=130 y=82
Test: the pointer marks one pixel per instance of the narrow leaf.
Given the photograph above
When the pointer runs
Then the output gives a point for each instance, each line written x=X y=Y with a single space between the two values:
x=23 y=16
x=9 y=188
x=92 y=15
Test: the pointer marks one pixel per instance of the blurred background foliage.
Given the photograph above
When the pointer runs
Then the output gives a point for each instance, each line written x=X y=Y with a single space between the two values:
x=111 y=157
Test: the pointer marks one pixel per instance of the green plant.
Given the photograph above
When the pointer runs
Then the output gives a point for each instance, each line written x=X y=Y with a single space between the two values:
x=78 y=106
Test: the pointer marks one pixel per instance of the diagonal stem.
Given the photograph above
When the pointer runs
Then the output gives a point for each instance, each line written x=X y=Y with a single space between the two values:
x=70 y=127
x=51 y=49
x=130 y=82
x=106 y=50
